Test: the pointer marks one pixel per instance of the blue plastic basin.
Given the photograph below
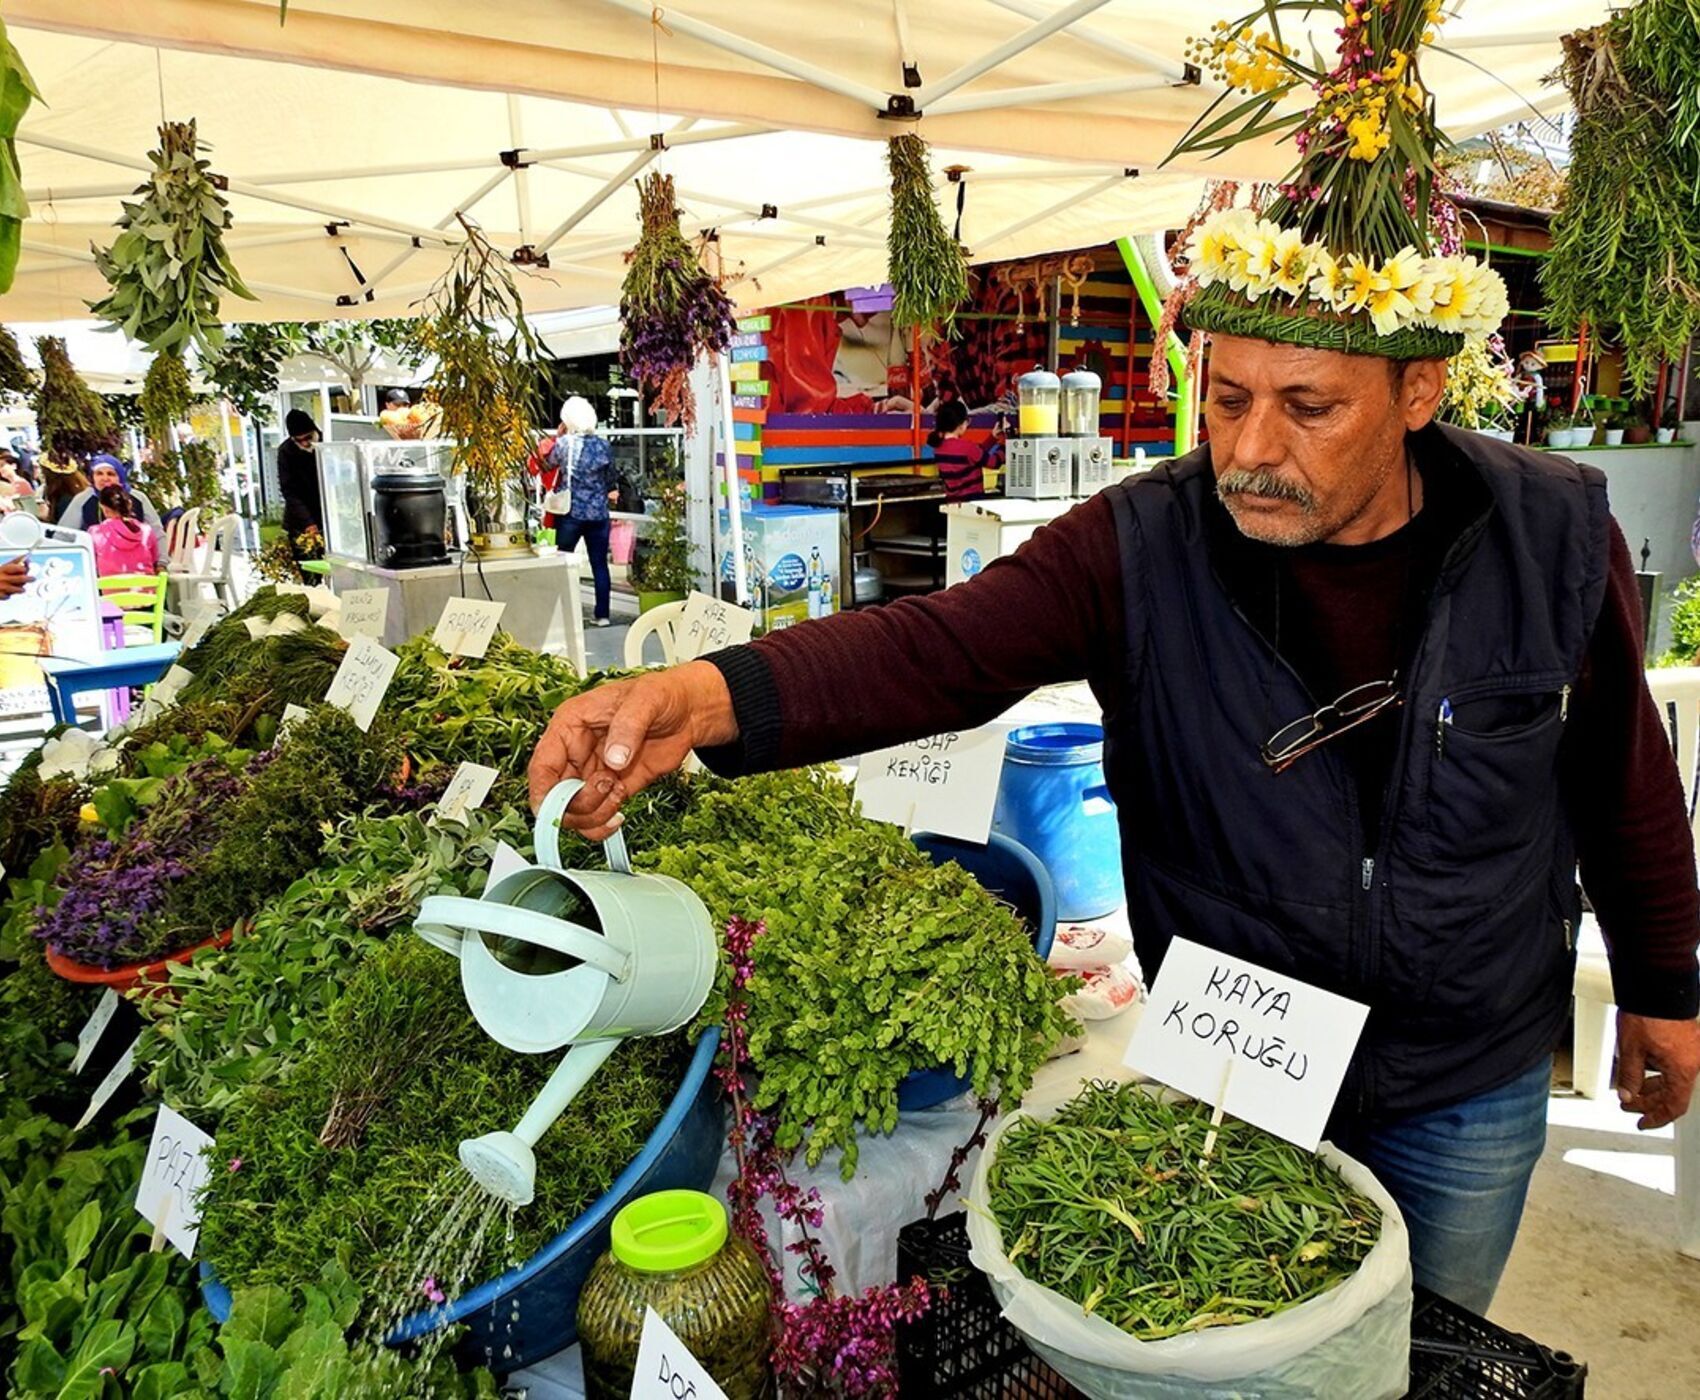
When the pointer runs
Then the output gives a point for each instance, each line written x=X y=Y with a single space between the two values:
x=683 y=1151
x=1009 y=871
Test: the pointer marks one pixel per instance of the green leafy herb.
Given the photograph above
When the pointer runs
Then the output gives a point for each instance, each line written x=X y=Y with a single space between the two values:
x=72 y=420
x=929 y=274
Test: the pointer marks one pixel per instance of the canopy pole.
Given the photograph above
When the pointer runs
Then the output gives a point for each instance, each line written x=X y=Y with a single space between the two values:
x=522 y=180
x=1047 y=92
x=734 y=499
x=1131 y=53
x=905 y=48
x=982 y=244
x=1179 y=370
x=1035 y=34
x=675 y=137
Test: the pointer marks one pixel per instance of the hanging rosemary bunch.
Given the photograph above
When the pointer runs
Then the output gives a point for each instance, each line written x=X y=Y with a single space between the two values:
x=487 y=354
x=72 y=420
x=169 y=268
x=671 y=309
x=1626 y=237
x=929 y=275
x=17 y=380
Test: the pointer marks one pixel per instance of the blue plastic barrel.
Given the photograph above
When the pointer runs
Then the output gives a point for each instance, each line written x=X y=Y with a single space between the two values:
x=1052 y=799
x=1009 y=872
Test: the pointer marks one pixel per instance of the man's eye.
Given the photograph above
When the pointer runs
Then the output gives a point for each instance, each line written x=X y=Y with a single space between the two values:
x=1227 y=405
x=1307 y=410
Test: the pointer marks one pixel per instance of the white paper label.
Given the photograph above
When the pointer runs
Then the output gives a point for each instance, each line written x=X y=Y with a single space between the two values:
x=199 y=615
x=256 y=627
x=169 y=686
x=362 y=679
x=466 y=626
x=291 y=713
x=169 y=1194
x=1281 y=1046
x=665 y=1369
x=710 y=624
x=109 y=1086
x=363 y=612
x=285 y=623
x=946 y=784
x=467 y=790
x=95 y=1027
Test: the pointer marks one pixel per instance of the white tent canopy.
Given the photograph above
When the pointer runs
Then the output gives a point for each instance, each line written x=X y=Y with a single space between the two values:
x=353 y=135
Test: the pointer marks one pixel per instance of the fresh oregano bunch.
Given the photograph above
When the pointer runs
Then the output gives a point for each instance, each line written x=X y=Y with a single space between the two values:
x=168 y=268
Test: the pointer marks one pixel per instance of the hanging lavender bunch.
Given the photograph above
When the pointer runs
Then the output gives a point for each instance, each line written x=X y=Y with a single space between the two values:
x=671 y=310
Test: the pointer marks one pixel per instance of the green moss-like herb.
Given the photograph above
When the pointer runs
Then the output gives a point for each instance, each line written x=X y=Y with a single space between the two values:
x=1111 y=1204
x=295 y=1203
x=36 y=812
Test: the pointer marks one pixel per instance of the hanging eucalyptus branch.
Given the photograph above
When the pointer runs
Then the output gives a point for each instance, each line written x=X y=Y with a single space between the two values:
x=1626 y=237
x=487 y=356
x=17 y=91
x=168 y=269
x=929 y=275
x=671 y=309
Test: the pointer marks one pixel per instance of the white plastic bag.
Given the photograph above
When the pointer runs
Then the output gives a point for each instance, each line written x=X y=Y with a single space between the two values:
x=1351 y=1343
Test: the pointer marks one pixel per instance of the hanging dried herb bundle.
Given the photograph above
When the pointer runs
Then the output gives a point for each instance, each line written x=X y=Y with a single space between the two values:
x=474 y=323
x=165 y=398
x=671 y=309
x=1626 y=237
x=928 y=273
x=169 y=268
x=17 y=90
x=72 y=420
x=201 y=486
x=17 y=380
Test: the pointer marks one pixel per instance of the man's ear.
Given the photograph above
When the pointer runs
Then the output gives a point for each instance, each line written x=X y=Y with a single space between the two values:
x=1421 y=384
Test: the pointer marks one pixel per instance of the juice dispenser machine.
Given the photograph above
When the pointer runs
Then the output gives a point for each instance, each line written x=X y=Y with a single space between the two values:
x=1092 y=454
x=1039 y=464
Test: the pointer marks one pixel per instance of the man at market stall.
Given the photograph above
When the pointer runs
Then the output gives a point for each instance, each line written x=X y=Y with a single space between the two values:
x=1372 y=690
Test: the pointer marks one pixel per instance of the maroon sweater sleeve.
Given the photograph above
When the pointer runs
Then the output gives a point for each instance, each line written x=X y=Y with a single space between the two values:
x=843 y=685
x=1626 y=807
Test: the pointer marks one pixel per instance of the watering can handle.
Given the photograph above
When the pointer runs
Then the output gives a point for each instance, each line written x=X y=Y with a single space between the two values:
x=548 y=831
x=441 y=915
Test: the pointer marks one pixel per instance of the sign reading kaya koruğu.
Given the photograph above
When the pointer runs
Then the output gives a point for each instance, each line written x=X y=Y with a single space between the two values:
x=1279 y=1045
x=946 y=784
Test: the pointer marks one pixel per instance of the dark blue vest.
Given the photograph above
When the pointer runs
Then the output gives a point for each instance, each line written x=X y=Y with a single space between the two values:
x=1457 y=929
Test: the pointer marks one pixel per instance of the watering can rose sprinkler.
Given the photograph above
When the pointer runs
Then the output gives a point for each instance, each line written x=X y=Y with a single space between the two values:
x=552 y=957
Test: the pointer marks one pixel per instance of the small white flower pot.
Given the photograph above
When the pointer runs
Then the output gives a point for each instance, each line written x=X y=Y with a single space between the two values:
x=1614 y=437
x=1664 y=434
x=1558 y=437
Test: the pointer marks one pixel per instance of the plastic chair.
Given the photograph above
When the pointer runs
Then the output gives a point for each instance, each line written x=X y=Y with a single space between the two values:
x=1676 y=691
x=660 y=623
x=181 y=537
x=219 y=569
x=142 y=599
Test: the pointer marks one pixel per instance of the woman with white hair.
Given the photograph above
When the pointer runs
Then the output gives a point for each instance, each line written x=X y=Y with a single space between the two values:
x=577 y=473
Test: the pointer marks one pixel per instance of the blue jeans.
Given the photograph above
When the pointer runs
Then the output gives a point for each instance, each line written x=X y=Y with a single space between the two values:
x=1460 y=1175
x=594 y=533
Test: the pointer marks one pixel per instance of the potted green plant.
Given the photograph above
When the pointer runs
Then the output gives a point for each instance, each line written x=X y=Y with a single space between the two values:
x=1559 y=427
x=662 y=573
x=1639 y=428
x=1669 y=422
x=1615 y=421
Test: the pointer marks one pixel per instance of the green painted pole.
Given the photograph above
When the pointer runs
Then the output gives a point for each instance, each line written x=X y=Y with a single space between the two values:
x=1185 y=437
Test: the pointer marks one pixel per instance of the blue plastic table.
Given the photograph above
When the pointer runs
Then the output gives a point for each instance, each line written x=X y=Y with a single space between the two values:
x=68 y=678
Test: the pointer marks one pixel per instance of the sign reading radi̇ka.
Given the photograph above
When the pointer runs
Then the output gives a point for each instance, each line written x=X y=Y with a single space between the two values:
x=947 y=784
x=467 y=625
x=1257 y=1044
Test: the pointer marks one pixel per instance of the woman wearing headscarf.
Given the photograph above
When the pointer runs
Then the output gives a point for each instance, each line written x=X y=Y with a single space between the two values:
x=577 y=472
x=83 y=512
x=298 y=477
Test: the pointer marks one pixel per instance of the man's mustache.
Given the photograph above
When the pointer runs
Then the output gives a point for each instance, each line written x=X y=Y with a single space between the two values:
x=1242 y=482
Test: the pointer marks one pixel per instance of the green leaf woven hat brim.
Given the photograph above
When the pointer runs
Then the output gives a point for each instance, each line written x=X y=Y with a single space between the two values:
x=1220 y=309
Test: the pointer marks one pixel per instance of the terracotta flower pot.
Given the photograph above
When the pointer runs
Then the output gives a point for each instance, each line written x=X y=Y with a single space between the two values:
x=156 y=975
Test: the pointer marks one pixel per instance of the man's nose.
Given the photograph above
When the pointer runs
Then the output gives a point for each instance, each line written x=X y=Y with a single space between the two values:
x=1260 y=441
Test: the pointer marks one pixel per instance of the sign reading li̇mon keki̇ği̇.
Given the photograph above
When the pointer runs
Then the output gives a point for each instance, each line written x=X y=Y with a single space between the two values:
x=1260 y=1045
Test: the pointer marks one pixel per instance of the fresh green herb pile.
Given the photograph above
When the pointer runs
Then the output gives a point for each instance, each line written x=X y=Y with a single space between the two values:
x=35 y=812
x=1108 y=1204
x=294 y=1203
x=874 y=963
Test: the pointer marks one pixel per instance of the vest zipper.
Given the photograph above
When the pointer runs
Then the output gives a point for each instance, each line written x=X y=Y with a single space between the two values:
x=1569 y=938
x=1369 y=872
x=1564 y=704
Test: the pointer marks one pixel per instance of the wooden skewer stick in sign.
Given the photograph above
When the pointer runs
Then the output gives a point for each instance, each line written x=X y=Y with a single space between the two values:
x=1216 y=1117
x=161 y=1214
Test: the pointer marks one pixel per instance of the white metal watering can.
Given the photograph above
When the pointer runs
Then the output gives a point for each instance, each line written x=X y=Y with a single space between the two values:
x=552 y=957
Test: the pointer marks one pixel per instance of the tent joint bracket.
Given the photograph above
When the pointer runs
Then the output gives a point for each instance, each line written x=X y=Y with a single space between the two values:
x=514 y=159
x=770 y=211
x=658 y=140
x=901 y=106
x=1191 y=75
x=335 y=228
x=911 y=75
x=526 y=255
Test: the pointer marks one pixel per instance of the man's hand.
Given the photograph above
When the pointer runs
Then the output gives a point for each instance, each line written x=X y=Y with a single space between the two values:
x=621 y=737
x=14 y=575
x=1656 y=1065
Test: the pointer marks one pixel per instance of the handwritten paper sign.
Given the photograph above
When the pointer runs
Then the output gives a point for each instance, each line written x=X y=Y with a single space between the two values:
x=710 y=624
x=363 y=612
x=946 y=784
x=109 y=1086
x=362 y=679
x=1280 y=1046
x=199 y=614
x=177 y=1167
x=467 y=790
x=466 y=626
x=665 y=1369
x=95 y=1027
x=291 y=713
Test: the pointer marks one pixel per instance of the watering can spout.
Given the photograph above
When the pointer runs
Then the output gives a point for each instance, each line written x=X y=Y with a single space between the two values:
x=503 y=1165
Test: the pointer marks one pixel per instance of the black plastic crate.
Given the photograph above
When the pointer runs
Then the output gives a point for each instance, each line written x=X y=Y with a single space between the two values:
x=1456 y=1355
x=962 y=1349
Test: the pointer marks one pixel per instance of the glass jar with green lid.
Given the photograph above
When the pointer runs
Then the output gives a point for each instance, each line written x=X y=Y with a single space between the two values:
x=673 y=1251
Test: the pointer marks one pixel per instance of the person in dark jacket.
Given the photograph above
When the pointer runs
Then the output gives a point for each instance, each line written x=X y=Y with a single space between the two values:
x=298 y=477
x=1372 y=691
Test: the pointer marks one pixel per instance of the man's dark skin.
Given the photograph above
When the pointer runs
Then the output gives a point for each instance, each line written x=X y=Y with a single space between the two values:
x=1308 y=446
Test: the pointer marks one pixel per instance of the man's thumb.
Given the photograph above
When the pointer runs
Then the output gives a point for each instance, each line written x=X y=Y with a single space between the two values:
x=628 y=729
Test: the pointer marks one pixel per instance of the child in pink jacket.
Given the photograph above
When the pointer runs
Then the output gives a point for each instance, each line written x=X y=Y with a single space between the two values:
x=123 y=542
